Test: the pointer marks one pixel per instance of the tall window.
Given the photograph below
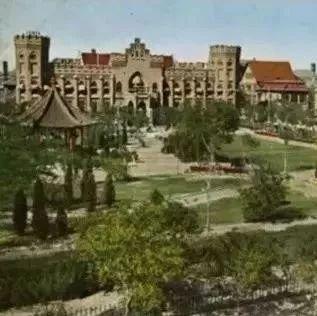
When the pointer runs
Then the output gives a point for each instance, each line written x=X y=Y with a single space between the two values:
x=33 y=68
x=119 y=87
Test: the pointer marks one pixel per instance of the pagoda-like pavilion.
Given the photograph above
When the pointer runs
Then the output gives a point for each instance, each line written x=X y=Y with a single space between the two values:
x=52 y=112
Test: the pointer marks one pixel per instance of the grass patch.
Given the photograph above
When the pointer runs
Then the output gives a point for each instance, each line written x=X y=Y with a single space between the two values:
x=307 y=205
x=223 y=211
x=170 y=185
x=229 y=210
x=298 y=158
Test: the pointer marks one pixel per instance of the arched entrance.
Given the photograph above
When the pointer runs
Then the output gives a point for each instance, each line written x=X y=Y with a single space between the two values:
x=156 y=111
x=130 y=107
x=142 y=107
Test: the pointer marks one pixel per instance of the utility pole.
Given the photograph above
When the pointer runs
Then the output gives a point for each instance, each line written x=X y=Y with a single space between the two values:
x=314 y=96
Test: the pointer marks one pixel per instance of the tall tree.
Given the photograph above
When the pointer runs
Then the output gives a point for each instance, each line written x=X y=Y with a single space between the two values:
x=201 y=130
x=61 y=222
x=20 y=212
x=124 y=134
x=267 y=194
x=68 y=184
x=109 y=193
x=21 y=164
x=40 y=222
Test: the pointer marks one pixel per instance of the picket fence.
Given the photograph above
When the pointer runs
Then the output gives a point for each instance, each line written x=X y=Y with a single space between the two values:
x=193 y=303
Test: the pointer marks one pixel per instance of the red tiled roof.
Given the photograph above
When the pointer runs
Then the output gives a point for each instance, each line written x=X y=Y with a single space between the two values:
x=271 y=70
x=276 y=76
x=95 y=58
x=284 y=86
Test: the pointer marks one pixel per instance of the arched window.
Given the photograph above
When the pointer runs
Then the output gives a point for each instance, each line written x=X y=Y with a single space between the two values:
x=177 y=89
x=106 y=89
x=81 y=88
x=188 y=88
x=93 y=87
x=33 y=56
x=154 y=87
x=69 y=89
x=119 y=87
x=136 y=81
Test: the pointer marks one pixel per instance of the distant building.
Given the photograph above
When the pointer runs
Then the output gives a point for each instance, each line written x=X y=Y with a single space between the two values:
x=141 y=80
x=266 y=81
x=309 y=77
x=7 y=84
x=135 y=78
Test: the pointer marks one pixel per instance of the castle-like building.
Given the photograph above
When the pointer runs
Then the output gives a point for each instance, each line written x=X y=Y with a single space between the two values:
x=139 y=79
x=135 y=78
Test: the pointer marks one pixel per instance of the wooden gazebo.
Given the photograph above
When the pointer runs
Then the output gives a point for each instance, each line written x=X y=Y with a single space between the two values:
x=52 y=112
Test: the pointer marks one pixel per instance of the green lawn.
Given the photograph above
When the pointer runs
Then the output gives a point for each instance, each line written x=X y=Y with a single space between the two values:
x=229 y=210
x=224 y=211
x=297 y=157
x=169 y=185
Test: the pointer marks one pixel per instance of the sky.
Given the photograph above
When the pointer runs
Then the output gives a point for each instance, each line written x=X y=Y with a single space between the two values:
x=265 y=29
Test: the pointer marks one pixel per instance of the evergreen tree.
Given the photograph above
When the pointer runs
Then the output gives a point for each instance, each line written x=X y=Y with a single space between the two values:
x=20 y=212
x=124 y=134
x=156 y=197
x=61 y=222
x=40 y=220
x=109 y=193
x=265 y=199
x=68 y=184
x=91 y=192
x=83 y=184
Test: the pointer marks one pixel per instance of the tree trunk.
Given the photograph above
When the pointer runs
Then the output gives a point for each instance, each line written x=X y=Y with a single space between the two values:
x=128 y=305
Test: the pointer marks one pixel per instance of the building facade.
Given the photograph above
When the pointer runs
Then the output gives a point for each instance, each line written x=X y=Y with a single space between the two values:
x=134 y=78
x=273 y=81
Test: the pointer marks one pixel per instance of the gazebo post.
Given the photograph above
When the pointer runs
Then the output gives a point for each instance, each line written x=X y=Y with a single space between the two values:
x=66 y=137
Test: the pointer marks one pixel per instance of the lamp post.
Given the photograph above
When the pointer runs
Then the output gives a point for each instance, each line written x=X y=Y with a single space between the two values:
x=313 y=70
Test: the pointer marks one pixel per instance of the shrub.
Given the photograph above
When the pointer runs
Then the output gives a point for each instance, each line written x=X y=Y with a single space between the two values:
x=20 y=212
x=40 y=280
x=91 y=192
x=109 y=193
x=264 y=199
x=156 y=197
x=40 y=222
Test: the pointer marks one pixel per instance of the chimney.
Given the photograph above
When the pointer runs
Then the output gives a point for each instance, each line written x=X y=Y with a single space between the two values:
x=5 y=70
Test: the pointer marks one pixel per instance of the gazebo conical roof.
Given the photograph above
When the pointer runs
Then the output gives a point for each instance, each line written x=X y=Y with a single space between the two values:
x=51 y=111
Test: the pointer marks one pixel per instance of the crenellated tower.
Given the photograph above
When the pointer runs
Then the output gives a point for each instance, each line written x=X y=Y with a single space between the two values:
x=224 y=61
x=32 y=65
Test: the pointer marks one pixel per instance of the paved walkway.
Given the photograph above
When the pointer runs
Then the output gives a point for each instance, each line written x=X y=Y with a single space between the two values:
x=267 y=227
x=276 y=139
x=194 y=199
